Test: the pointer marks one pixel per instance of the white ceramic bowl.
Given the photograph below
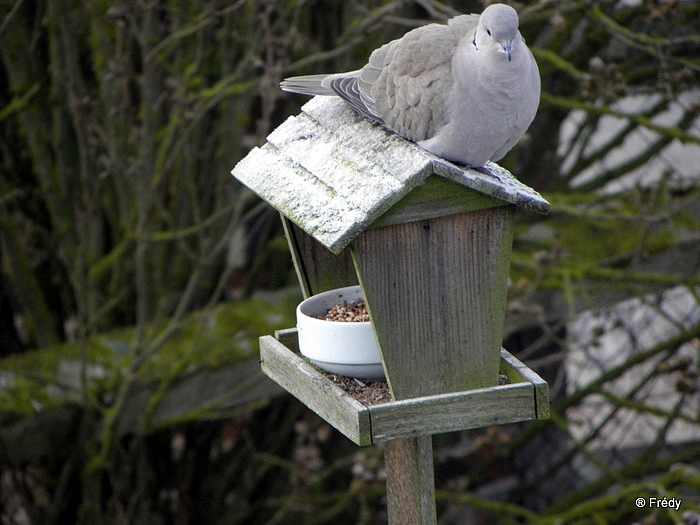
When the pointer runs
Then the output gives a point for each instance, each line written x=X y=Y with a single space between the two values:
x=347 y=349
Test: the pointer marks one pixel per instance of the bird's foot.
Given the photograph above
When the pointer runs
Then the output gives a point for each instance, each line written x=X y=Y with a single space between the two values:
x=486 y=171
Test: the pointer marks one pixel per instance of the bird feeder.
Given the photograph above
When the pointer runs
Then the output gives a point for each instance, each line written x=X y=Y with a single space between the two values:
x=429 y=242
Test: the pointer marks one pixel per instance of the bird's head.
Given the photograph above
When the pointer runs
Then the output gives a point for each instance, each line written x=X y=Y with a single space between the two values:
x=497 y=30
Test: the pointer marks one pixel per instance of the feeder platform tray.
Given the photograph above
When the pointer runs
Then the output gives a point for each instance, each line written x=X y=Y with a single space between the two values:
x=525 y=398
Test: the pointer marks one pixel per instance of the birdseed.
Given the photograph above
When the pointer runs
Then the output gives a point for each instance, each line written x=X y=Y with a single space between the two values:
x=352 y=312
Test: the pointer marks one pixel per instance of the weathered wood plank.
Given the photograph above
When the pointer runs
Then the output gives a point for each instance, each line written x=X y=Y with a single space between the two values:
x=542 y=400
x=450 y=412
x=436 y=292
x=399 y=158
x=317 y=268
x=517 y=371
x=289 y=338
x=296 y=252
x=436 y=198
x=299 y=195
x=344 y=167
x=499 y=184
x=313 y=389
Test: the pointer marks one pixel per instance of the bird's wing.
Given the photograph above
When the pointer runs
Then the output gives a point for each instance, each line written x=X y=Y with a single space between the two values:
x=406 y=82
x=347 y=87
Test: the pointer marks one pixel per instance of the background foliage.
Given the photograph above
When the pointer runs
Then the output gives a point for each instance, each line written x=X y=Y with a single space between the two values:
x=119 y=124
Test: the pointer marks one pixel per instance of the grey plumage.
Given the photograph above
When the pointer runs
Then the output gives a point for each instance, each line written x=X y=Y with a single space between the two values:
x=466 y=91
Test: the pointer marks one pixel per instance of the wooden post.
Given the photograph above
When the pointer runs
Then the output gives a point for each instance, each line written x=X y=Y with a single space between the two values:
x=410 y=481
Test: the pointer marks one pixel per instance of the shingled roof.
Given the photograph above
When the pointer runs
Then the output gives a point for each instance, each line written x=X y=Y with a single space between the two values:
x=333 y=172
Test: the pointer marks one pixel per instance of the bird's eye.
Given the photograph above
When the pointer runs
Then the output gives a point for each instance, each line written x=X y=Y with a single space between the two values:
x=489 y=32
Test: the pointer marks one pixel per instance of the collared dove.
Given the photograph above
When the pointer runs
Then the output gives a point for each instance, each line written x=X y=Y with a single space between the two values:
x=466 y=91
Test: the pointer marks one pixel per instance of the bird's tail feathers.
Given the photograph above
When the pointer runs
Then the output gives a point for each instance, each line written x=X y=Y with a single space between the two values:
x=307 y=85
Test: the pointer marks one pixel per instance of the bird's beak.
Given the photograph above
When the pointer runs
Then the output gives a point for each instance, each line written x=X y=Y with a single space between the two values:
x=508 y=48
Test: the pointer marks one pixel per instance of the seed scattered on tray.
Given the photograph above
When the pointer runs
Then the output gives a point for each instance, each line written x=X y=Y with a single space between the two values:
x=367 y=392
x=353 y=312
x=372 y=392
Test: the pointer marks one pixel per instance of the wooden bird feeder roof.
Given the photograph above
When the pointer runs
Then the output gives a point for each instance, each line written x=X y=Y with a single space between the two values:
x=334 y=173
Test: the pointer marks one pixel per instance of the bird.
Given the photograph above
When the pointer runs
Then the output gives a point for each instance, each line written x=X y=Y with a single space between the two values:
x=466 y=91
